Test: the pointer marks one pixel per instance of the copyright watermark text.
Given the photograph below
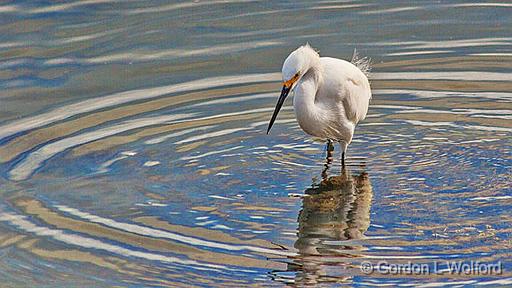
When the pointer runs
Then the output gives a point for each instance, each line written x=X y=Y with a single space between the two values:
x=447 y=267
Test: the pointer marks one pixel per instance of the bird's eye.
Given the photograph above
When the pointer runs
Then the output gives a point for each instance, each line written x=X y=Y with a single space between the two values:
x=297 y=74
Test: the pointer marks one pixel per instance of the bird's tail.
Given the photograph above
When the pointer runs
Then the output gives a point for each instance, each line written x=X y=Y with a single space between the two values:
x=364 y=63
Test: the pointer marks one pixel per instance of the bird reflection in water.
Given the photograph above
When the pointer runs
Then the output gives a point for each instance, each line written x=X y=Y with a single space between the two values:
x=334 y=215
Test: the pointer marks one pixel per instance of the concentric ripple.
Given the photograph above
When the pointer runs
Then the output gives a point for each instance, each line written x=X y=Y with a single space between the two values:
x=133 y=155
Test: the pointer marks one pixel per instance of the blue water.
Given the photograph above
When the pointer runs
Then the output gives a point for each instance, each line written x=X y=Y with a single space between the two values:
x=133 y=149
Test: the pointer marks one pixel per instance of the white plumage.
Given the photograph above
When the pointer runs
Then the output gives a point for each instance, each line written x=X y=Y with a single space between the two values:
x=331 y=95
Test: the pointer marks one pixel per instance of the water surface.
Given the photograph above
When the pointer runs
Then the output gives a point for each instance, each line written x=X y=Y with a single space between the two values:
x=133 y=148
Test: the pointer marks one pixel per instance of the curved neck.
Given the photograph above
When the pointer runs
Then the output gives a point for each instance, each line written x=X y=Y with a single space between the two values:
x=307 y=88
x=308 y=114
x=314 y=72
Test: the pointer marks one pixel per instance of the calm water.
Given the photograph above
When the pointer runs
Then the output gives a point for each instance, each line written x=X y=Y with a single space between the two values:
x=133 y=149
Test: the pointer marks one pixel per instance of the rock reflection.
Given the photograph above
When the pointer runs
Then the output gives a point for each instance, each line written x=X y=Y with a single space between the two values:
x=334 y=215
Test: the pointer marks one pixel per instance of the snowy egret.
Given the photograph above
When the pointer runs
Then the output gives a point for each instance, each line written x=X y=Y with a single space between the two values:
x=331 y=95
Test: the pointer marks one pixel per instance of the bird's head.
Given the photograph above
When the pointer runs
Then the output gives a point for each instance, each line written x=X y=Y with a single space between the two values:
x=294 y=67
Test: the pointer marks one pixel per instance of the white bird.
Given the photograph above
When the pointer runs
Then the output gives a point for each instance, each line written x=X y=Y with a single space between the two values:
x=330 y=95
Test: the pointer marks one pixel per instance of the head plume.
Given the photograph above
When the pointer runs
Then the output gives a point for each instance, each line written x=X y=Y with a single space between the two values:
x=299 y=61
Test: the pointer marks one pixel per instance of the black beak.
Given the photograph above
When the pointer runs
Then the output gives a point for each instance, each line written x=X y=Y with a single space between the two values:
x=279 y=104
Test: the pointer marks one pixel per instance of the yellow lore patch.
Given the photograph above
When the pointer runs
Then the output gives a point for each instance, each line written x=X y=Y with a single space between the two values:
x=289 y=83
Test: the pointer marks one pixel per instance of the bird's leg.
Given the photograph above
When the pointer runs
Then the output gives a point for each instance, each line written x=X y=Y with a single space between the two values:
x=344 y=146
x=330 y=150
x=328 y=158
